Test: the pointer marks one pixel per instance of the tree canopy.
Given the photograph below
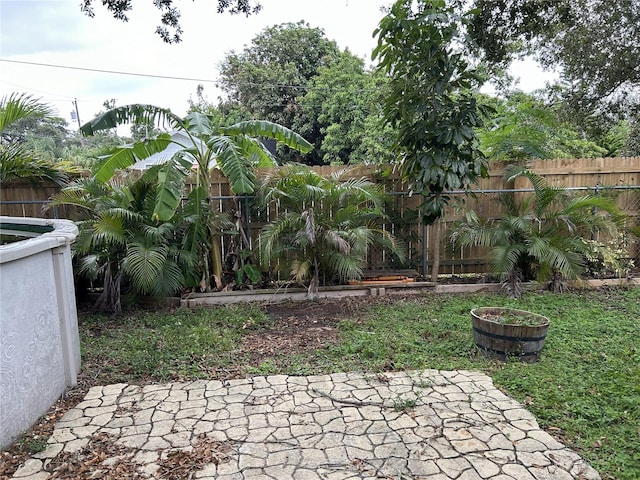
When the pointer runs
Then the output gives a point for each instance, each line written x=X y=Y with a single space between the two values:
x=345 y=101
x=593 y=44
x=430 y=99
x=267 y=79
x=430 y=103
x=169 y=29
x=524 y=127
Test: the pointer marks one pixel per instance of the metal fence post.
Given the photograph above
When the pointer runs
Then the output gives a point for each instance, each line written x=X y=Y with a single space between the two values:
x=247 y=219
x=424 y=250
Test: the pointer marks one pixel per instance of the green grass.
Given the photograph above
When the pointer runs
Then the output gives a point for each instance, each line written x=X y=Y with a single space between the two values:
x=585 y=388
x=162 y=346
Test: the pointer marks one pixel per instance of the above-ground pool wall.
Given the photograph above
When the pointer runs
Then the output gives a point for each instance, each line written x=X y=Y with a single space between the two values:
x=39 y=342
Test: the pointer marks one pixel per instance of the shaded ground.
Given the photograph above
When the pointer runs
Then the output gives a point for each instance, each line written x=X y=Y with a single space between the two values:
x=299 y=327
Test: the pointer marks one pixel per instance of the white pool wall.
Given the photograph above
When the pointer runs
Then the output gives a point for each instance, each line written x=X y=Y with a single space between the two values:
x=39 y=341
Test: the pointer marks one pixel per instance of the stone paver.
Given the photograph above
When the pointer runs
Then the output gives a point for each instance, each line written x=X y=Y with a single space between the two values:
x=419 y=425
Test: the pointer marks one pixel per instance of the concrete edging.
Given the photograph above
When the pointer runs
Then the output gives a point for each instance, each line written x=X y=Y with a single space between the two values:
x=342 y=291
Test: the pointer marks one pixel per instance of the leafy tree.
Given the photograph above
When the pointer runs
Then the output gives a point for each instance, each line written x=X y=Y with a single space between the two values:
x=594 y=44
x=430 y=103
x=326 y=227
x=89 y=152
x=343 y=100
x=169 y=29
x=632 y=145
x=523 y=127
x=20 y=157
x=540 y=236
x=268 y=78
x=47 y=133
x=236 y=150
x=615 y=139
x=222 y=113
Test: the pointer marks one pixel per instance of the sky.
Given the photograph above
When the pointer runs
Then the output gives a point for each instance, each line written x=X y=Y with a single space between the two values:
x=56 y=32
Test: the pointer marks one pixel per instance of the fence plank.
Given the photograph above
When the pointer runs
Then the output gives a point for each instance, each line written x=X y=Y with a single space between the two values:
x=402 y=209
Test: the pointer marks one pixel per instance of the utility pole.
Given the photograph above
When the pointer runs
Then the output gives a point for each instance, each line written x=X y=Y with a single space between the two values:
x=77 y=114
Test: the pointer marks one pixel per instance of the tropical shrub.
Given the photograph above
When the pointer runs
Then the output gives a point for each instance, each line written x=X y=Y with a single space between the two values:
x=540 y=236
x=236 y=150
x=120 y=244
x=609 y=259
x=325 y=227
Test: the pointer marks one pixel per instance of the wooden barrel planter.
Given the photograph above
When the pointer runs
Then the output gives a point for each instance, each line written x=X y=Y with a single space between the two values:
x=501 y=332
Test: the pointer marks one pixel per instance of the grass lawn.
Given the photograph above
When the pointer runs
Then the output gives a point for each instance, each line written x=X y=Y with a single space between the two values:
x=585 y=390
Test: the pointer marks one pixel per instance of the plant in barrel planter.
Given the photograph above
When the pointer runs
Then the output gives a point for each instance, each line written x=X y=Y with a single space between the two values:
x=502 y=332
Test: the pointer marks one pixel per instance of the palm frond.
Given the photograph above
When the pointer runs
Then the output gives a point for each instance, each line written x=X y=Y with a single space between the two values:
x=16 y=106
x=506 y=257
x=144 y=264
x=17 y=162
x=300 y=270
x=134 y=113
x=89 y=267
x=345 y=267
x=170 y=281
x=279 y=236
x=335 y=241
x=386 y=240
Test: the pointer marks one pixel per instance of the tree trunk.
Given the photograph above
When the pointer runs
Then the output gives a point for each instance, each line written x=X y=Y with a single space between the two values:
x=435 y=264
x=216 y=261
x=312 y=291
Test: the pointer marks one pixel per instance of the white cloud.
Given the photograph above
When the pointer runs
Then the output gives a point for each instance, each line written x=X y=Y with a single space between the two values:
x=57 y=32
x=530 y=75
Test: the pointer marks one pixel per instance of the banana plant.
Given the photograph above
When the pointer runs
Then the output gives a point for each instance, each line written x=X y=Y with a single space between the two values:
x=236 y=150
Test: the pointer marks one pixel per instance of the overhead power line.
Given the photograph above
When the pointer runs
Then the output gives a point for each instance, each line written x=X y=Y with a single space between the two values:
x=115 y=72
x=264 y=86
x=66 y=97
x=272 y=86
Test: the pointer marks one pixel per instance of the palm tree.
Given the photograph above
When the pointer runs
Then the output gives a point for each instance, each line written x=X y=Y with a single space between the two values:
x=236 y=150
x=18 y=160
x=541 y=236
x=121 y=244
x=326 y=226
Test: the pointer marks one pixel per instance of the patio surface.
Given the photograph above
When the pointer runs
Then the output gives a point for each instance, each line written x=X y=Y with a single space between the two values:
x=430 y=424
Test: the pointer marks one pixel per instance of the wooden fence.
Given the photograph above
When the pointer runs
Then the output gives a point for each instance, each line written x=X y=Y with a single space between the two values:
x=599 y=176
x=619 y=177
x=25 y=199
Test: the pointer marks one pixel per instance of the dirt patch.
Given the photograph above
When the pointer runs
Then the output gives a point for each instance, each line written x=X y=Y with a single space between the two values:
x=299 y=327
